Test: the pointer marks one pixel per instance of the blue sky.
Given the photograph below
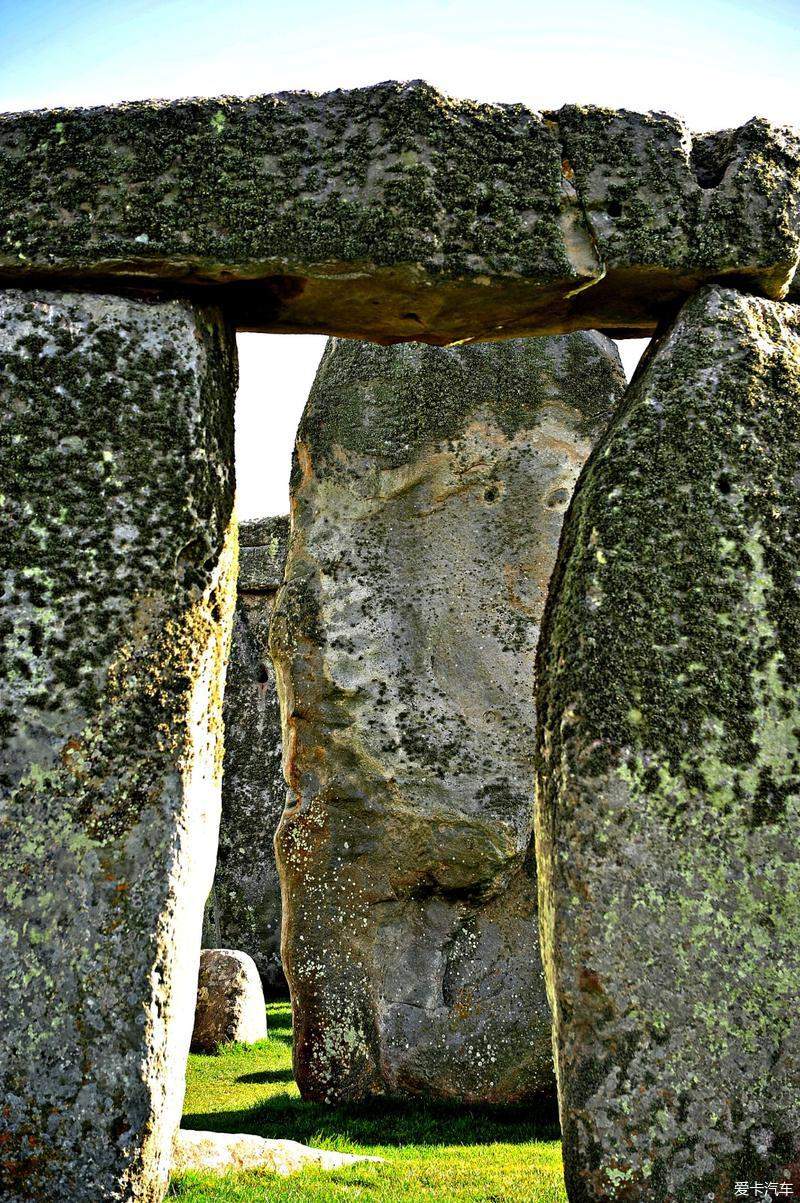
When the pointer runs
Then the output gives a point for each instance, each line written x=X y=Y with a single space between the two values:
x=715 y=62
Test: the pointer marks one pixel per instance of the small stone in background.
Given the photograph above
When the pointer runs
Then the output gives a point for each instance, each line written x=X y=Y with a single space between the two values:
x=230 y=1001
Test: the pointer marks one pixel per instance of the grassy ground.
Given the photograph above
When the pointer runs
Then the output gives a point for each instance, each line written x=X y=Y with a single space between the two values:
x=432 y=1153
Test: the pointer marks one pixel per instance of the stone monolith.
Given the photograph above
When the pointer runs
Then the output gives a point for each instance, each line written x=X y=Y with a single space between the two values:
x=668 y=814
x=244 y=907
x=118 y=582
x=428 y=491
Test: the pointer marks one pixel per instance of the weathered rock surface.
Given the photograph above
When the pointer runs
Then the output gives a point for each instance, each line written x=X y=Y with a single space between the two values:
x=244 y=907
x=227 y=1152
x=230 y=1001
x=396 y=213
x=118 y=584
x=428 y=492
x=662 y=203
x=669 y=778
x=262 y=554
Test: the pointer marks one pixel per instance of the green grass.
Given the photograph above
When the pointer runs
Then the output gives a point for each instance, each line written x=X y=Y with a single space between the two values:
x=474 y=1155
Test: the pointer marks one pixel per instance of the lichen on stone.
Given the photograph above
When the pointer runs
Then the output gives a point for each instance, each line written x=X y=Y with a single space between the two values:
x=119 y=561
x=397 y=213
x=428 y=490
x=669 y=774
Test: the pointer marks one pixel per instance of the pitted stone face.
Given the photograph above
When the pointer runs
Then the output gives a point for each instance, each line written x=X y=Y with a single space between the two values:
x=428 y=492
x=396 y=213
x=669 y=773
x=118 y=575
x=244 y=907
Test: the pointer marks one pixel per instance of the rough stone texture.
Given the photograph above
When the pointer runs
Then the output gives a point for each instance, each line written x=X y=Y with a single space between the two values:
x=118 y=579
x=262 y=554
x=669 y=775
x=244 y=907
x=230 y=1152
x=397 y=213
x=428 y=491
x=230 y=1001
x=661 y=203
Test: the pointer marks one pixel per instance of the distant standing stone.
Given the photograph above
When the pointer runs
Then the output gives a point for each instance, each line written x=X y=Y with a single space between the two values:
x=244 y=907
x=230 y=1001
x=668 y=823
x=428 y=492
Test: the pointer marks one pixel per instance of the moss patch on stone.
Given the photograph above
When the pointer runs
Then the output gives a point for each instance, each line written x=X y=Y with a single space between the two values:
x=384 y=175
x=390 y=404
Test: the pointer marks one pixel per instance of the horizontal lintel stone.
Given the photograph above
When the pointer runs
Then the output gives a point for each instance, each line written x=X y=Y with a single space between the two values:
x=395 y=213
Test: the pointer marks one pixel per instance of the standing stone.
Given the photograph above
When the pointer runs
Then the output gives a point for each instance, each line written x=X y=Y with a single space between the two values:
x=668 y=822
x=428 y=492
x=118 y=572
x=230 y=1001
x=244 y=907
